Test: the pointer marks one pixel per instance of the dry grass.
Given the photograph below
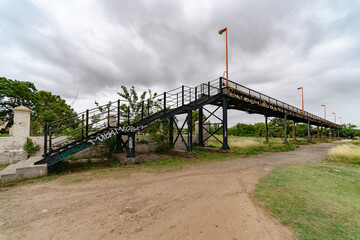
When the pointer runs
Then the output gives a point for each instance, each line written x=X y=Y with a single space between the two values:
x=348 y=153
x=237 y=142
x=243 y=143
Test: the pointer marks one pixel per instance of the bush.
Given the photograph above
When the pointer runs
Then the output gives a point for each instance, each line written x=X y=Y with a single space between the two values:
x=30 y=147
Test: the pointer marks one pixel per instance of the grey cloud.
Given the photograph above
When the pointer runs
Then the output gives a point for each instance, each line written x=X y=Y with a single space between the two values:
x=169 y=43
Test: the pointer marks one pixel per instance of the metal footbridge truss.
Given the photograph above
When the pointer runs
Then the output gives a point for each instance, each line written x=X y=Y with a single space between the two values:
x=65 y=137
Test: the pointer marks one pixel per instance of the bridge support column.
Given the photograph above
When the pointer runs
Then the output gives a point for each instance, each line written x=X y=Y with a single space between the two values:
x=266 y=129
x=285 y=128
x=318 y=133
x=338 y=132
x=294 y=130
x=171 y=131
x=190 y=145
x=309 y=134
x=322 y=134
x=131 y=147
x=201 y=128
x=119 y=143
x=225 y=145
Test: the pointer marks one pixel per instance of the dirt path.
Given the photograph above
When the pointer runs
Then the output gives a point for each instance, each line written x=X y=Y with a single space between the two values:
x=211 y=201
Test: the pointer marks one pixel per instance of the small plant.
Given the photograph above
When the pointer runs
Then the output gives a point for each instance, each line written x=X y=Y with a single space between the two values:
x=30 y=147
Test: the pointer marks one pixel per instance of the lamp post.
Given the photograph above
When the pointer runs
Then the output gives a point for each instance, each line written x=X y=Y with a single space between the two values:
x=334 y=116
x=227 y=70
x=302 y=97
x=324 y=110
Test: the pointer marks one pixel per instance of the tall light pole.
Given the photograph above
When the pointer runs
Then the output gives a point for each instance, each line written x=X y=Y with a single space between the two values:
x=227 y=69
x=324 y=110
x=334 y=116
x=302 y=97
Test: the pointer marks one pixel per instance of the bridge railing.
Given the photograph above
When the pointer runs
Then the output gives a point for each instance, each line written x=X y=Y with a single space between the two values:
x=272 y=101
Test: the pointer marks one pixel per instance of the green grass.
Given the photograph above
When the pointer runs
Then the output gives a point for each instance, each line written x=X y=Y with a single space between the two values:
x=4 y=135
x=3 y=166
x=317 y=200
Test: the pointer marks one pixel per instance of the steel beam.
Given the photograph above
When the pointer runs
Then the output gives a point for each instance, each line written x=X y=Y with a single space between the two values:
x=131 y=145
x=200 y=127
x=171 y=131
x=190 y=145
x=225 y=124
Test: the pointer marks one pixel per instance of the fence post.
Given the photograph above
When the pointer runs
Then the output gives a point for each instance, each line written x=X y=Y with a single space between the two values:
x=128 y=115
x=164 y=102
x=142 y=110
x=82 y=126
x=182 y=91
x=195 y=96
x=220 y=85
x=118 y=113
x=87 y=124
x=209 y=89
x=108 y=117
x=45 y=139
x=50 y=142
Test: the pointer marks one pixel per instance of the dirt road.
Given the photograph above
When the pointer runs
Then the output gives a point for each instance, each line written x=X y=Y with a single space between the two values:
x=211 y=201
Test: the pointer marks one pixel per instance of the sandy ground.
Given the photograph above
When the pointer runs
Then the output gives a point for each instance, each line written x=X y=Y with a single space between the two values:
x=211 y=201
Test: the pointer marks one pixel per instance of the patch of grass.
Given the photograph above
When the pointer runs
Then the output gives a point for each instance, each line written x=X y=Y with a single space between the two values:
x=317 y=200
x=4 y=135
x=346 y=152
x=3 y=166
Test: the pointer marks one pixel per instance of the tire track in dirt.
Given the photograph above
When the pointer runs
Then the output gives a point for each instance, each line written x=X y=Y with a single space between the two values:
x=212 y=201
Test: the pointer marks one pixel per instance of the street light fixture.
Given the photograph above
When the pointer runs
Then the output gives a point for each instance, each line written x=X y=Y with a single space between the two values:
x=227 y=70
x=302 y=96
x=324 y=110
x=334 y=116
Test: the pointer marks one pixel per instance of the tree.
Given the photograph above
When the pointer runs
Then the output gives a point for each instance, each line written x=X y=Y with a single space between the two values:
x=45 y=106
x=134 y=103
x=51 y=108
x=15 y=93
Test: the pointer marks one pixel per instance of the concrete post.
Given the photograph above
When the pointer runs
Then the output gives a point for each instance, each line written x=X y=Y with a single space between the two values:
x=112 y=120
x=21 y=126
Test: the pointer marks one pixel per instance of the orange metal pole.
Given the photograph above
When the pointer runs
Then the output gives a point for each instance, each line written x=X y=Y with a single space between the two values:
x=302 y=95
x=227 y=66
x=302 y=98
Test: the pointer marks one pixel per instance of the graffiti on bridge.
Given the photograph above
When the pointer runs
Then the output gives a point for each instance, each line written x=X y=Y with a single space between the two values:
x=110 y=133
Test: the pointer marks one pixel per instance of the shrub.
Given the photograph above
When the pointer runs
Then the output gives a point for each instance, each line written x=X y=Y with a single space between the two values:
x=30 y=147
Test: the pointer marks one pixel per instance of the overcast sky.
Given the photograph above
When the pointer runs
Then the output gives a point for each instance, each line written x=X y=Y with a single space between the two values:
x=89 y=48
